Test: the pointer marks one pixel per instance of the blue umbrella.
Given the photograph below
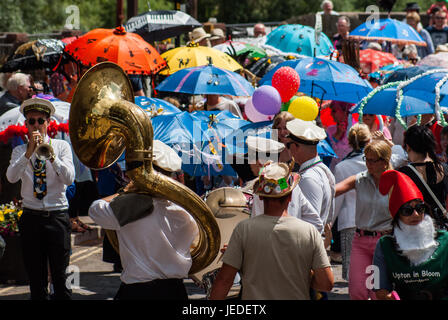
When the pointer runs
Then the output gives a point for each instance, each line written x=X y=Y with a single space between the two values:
x=296 y=39
x=155 y=106
x=198 y=138
x=407 y=73
x=325 y=79
x=388 y=30
x=207 y=80
x=382 y=74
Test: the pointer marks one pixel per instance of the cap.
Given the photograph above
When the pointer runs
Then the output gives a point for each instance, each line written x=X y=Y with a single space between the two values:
x=264 y=145
x=165 y=157
x=305 y=132
x=37 y=104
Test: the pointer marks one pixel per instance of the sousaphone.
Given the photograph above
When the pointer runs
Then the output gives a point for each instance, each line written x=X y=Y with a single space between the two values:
x=104 y=122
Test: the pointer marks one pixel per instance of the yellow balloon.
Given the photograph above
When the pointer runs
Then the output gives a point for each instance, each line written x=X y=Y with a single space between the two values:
x=304 y=108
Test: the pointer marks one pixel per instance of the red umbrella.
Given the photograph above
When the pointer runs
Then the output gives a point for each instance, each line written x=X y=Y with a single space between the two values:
x=133 y=54
x=371 y=60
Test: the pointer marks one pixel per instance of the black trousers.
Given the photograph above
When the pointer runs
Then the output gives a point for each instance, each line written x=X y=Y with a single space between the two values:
x=46 y=240
x=159 y=289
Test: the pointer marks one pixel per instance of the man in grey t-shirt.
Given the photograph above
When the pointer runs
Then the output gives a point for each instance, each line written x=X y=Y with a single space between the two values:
x=278 y=256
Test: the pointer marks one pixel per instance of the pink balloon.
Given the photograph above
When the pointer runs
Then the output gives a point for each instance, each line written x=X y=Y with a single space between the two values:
x=253 y=115
x=266 y=99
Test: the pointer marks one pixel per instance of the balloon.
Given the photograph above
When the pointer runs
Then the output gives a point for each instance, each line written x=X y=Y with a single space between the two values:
x=285 y=106
x=304 y=108
x=252 y=113
x=287 y=81
x=267 y=100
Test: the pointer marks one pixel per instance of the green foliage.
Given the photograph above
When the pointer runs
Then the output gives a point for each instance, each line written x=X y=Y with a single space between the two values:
x=43 y=16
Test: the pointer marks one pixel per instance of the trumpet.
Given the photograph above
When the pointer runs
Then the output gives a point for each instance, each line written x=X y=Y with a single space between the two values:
x=43 y=151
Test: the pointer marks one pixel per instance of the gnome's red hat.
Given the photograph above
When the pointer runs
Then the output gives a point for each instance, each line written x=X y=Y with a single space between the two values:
x=401 y=189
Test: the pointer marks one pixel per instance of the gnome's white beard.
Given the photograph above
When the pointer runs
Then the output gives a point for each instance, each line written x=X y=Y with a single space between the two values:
x=417 y=242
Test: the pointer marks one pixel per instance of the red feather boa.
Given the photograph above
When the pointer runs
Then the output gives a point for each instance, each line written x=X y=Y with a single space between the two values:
x=22 y=131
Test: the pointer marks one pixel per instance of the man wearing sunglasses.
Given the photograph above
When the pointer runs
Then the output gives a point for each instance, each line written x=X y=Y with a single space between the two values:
x=413 y=261
x=44 y=225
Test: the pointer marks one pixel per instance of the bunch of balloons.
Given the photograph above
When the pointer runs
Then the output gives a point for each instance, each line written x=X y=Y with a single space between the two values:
x=267 y=100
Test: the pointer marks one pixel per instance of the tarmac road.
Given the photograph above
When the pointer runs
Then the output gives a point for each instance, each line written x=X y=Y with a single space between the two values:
x=98 y=281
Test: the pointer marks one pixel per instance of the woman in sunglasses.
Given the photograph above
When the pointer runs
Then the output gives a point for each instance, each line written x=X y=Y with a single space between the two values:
x=412 y=262
x=372 y=218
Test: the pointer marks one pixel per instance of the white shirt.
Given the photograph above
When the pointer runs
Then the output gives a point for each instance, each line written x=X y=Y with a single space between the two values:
x=60 y=174
x=318 y=186
x=154 y=247
x=345 y=204
x=299 y=208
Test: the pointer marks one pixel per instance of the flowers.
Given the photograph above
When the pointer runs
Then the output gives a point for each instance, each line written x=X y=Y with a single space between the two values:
x=9 y=218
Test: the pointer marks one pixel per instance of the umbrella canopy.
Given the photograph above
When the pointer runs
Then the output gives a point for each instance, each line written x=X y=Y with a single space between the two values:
x=325 y=79
x=198 y=138
x=407 y=73
x=439 y=60
x=388 y=30
x=42 y=53
x=207 y=80
x=194 y=56
x=264 y=65
x=154 y=106
x=371 y=60
x=298 y=40
x=237 y=48
x=133 y=54
x=162 y=24
x=385 y=72
x=15 y=117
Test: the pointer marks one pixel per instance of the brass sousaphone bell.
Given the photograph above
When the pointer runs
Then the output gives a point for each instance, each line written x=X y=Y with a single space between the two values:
x=104 y=122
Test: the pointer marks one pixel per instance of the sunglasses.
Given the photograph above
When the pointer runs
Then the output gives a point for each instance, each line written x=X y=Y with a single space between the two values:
x=370 y=160
x=408 y=210
x=32 y=121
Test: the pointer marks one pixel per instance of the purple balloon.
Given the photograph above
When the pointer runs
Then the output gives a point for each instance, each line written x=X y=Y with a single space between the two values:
x=253 y=115
x=267 y=100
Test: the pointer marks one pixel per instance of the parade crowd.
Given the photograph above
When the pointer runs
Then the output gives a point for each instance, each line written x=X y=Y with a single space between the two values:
x=378 y=208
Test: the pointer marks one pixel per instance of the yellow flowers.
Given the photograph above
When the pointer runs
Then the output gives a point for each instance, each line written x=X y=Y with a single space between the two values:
x=9 y=218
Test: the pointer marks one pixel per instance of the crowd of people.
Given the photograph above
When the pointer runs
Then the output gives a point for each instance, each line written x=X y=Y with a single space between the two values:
x=382 y=201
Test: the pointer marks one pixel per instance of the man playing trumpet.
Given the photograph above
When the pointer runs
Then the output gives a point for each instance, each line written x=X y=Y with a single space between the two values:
x=44 y=226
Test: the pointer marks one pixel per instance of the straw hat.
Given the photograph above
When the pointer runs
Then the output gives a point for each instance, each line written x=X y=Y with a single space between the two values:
x=37 y=104
x=217 y=34
x=276 y=180
x=165 y=157
x=198 y=35
x=441 y=48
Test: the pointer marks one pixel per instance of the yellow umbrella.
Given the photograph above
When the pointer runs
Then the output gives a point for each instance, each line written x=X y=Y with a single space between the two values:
x=194 y=56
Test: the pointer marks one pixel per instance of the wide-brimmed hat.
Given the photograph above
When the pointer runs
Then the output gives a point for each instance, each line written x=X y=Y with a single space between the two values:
x=198 y=35
x=276 y=180
x=217 y=34
x=37 y=104
x=441 y=48
x=305 y=132
x=165 y=157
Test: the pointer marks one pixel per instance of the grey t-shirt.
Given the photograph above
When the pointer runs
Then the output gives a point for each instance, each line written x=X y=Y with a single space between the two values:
x=274 y=256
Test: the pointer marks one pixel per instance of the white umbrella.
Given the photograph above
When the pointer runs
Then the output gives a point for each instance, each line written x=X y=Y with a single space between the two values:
x=14 y=117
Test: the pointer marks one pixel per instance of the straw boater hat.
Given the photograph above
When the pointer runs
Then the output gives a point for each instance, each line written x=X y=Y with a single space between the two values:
x=165 y=157
x=37 y=104
x=305 y=132
x=217 y=33
x=198 y=34
x=276 y=180
x=401 y=189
